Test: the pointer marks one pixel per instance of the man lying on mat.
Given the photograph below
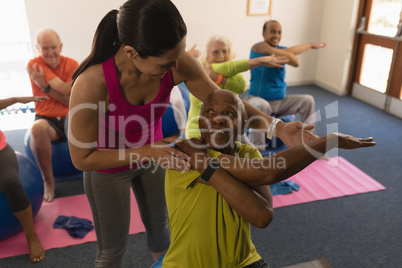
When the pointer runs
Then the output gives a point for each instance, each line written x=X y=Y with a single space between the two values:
x=211 y=207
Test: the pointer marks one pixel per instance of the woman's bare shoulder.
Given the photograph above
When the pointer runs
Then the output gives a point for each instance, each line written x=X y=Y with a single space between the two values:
x=93 y=74
x=91 y=83
x=189 y=67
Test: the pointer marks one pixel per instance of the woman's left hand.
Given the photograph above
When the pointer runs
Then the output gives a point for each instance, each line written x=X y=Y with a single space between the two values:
x=196 y=149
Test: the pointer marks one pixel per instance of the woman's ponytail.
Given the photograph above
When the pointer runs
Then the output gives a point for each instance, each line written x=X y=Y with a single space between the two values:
x=152 y=27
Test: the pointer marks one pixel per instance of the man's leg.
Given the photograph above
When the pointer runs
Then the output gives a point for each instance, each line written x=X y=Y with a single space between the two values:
x=42 y=135
x=296 y=104
x=256 y=137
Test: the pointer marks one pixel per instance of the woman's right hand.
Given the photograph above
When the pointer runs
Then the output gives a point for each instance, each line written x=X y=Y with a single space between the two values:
x=164 y=155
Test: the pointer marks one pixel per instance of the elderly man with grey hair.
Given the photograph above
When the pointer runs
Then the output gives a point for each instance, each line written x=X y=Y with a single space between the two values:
x=50 y=74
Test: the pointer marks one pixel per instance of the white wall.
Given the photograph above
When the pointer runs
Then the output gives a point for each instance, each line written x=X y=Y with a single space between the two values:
x=337 y=28
x=299 y=27
x=228 y=17
x=75 y=21
x=302 y=21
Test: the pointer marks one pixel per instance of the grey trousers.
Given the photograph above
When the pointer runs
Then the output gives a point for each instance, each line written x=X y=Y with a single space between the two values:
x=10 y=184
x=109 y=197
x=292 y=104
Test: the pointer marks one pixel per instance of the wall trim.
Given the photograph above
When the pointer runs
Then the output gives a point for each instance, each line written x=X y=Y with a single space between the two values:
x=396 y=107
x=329 y=88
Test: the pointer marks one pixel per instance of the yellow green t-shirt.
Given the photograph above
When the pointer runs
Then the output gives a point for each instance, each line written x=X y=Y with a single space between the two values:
x=205 y=231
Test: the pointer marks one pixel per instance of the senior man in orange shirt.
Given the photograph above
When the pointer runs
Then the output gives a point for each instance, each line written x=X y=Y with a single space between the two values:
x=50 y=75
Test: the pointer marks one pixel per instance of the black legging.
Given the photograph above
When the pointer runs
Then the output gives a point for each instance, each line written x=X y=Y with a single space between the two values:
x=9 y=183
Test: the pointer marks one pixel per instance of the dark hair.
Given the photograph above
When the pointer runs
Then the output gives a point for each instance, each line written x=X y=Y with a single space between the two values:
x=152 y=27
x=266 y=24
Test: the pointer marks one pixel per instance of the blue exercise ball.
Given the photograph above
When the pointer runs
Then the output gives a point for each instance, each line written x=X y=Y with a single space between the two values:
x=31 y=180
x=185 y=94
x=61 y=159
x=169 y=124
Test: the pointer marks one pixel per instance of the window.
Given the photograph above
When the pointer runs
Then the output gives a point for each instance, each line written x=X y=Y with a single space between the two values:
x=384 y=17
x=376 y=65
x=15 y=51
x=378 y=48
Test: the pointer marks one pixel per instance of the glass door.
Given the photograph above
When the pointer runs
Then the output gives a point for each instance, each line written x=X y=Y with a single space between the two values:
x=377 y=74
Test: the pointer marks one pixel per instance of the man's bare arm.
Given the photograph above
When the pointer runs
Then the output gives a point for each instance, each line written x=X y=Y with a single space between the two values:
x=61 y=87
x=4 y=103
x=266 y=49
x=63 y=99
x=288 y=162
x=299 y=49
x=37 y=75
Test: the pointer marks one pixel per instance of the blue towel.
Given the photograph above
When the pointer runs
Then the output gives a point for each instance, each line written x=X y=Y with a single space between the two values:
x=284 y=187
x=76 y=227
x=158 y=263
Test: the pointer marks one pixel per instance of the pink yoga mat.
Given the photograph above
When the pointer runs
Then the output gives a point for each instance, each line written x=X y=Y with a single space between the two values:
x=77 y=206
x=321 y=180
x=328 y=179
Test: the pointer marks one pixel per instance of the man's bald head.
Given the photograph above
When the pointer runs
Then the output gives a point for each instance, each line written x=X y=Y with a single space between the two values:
x=269 y=23
x=230 y=96
x=45 y=33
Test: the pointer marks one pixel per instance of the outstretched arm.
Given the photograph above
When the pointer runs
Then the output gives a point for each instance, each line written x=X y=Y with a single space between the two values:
x=292 y=133
x=4 y=103
x=268 y=61
x=292 y=160
x=267 y=49
x=257 y=172
x=299 y=49
x=232 y=79
x=229 y=73
x=290 y=52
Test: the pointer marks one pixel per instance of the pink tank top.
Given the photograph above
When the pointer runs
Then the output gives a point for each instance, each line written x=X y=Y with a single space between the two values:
x=126 y=125
x=3 y=142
